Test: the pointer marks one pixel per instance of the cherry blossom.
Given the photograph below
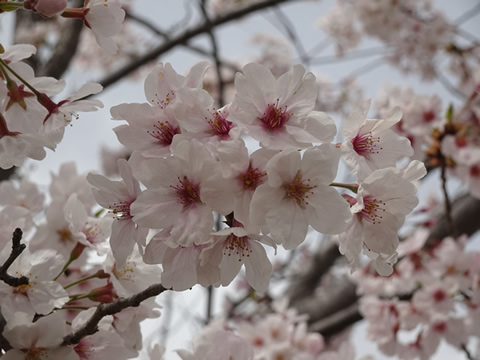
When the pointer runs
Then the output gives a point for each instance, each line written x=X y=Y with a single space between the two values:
x=29 y=340
x=41 y=295
x=383 y=200
x=370 y=144
x=296 y=195
x=280 y=112
x=118 y=196
x=47 y=8
x=238 y=248
x=181 y=192
x=217 y=343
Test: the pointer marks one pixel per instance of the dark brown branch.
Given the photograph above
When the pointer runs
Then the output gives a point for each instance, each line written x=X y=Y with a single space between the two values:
x=292 y=36
x=448 y=205
x=185 y=37
x=91 y=326
x=17 y=249
x=163 y=34
x=65 y=50
x=337 y=322
x=215 y=55
x=333 y=309
x=303 y=285
x=4 y=344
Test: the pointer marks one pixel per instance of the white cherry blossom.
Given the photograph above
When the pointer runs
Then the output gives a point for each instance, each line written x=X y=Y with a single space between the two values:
x=118 y=196
x=383 y=200
x=297 y=194
x=370 y=144
x=280 y=112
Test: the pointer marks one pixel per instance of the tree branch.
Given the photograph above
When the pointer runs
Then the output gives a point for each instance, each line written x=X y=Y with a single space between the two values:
x=91 y=326
x=335 y=308
x=65 y=50
x=215 y=55
x=17 y=249
x=184 y=38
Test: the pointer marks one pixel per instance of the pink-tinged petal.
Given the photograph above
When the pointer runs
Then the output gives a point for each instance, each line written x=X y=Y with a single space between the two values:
x=133 y=187
x=14 y=304
x=15 y=53
x=229 y=267
x=414 y=171
x=180 y=268
x=75 y=212
x=258 y=268
x=209 y=272
x=355 y=119
x=154 y=252
x=320 y=126
x=283 y=167
x=321 y=163
x=382 y=237
x=155 y=209
x=46 y=295
x=287 y=224
x=85 y=90
x=122 y=240
x=193 y=226
x=264 y=198
x=106 y=186
x=327 y=211
x=194 y=78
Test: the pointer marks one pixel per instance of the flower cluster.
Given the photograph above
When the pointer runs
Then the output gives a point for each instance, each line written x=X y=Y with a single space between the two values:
x=414 y=30
x=438 y=299
x=30 y=120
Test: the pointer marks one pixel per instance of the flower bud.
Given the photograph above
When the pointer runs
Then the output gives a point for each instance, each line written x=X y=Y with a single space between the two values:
x=47 y=8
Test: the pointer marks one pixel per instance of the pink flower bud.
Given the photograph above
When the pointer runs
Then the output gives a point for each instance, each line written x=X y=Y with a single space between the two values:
x=47 y=8
x=104 y=294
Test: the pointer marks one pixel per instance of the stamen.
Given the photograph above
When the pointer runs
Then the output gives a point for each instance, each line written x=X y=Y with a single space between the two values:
x=163 y=132
x=252 y=178
x=372 y=208
x=220 y=126
x=240 y=246
x=366 y=144
x=188 y=193
x=274 y=118
x=121 y=210
x=299 y=190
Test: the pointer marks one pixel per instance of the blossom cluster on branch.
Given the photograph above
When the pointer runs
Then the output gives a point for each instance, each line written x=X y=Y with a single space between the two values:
x=209 y=189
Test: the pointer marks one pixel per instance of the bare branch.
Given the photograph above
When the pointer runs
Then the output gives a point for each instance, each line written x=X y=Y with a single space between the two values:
x=448 y=205
x=215 y=55
x=91 y=326
x=292 y=36
x=185 y=37
x=194 y=48
x=17 y=249
x=333 y=309
x=64 y=50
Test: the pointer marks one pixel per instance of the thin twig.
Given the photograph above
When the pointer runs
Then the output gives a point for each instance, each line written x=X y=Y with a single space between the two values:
x=353 y=55
x=467 y=15
x=362 y=70
x=215 y=55
x=184 y=37
x=448 y=204
x=292 y=35
x=91 y=326
x=467 y=353
x=17 y=249
x=165 y=36
x=452 y=89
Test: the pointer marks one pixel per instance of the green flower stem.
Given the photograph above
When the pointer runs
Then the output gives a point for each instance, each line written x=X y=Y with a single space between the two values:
x=351 y=187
